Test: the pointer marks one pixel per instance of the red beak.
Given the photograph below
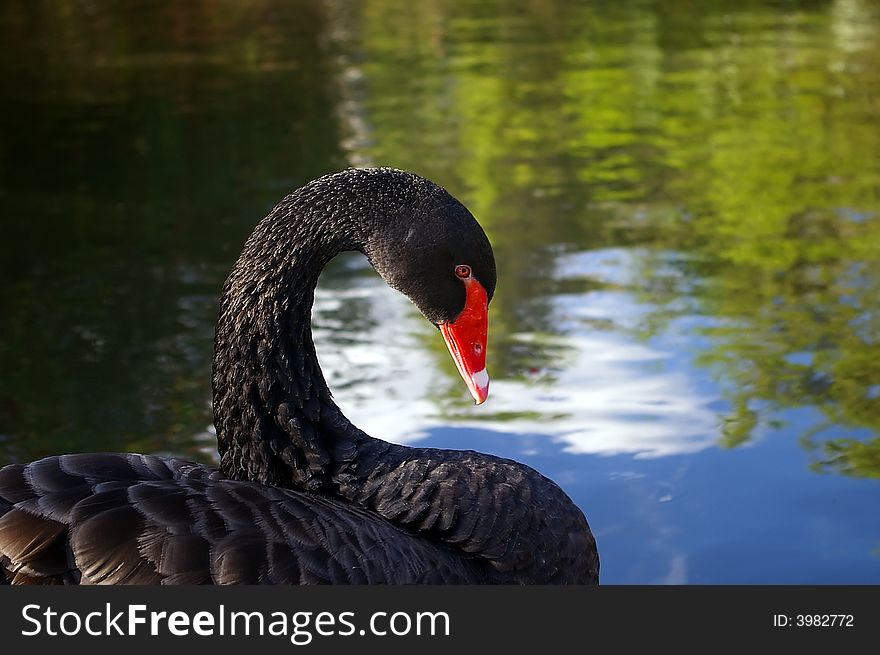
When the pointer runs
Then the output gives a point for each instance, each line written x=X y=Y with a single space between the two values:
x=466 y=339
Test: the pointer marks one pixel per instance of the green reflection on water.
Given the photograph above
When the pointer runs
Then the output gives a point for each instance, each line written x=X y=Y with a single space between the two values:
x=732 y=146
x=744 y=137
x=142 y=142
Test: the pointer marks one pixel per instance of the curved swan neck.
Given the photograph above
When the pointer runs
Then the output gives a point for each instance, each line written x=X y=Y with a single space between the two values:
x=275 y=417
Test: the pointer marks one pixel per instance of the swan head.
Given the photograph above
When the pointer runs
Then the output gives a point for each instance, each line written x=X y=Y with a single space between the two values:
x=430 y=247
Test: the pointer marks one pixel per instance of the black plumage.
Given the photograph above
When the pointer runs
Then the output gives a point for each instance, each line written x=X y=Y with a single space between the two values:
x=302 y=496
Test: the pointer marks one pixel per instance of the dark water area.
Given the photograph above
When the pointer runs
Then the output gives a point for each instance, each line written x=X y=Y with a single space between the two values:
x=683 y=198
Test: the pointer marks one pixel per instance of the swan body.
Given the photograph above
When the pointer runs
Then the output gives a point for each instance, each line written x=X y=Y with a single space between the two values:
x=302 y=496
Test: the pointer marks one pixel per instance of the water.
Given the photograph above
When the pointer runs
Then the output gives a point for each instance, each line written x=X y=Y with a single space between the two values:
x=683 y=199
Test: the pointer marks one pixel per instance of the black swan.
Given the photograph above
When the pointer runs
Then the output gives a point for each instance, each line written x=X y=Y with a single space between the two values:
x=302 y=496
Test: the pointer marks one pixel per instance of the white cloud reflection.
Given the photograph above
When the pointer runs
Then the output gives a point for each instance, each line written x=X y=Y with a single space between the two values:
x=611 y=395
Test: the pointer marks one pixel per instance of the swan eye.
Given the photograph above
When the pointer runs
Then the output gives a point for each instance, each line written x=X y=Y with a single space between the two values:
x=463 y=271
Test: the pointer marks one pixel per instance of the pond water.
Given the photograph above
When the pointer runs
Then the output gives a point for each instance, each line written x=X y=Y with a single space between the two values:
x=683 y=199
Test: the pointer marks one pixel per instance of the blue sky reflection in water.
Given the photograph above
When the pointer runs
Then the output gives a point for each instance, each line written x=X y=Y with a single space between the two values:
x=684 y=201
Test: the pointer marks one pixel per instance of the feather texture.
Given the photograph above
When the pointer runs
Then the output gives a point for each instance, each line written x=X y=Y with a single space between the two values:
x=146 y=520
